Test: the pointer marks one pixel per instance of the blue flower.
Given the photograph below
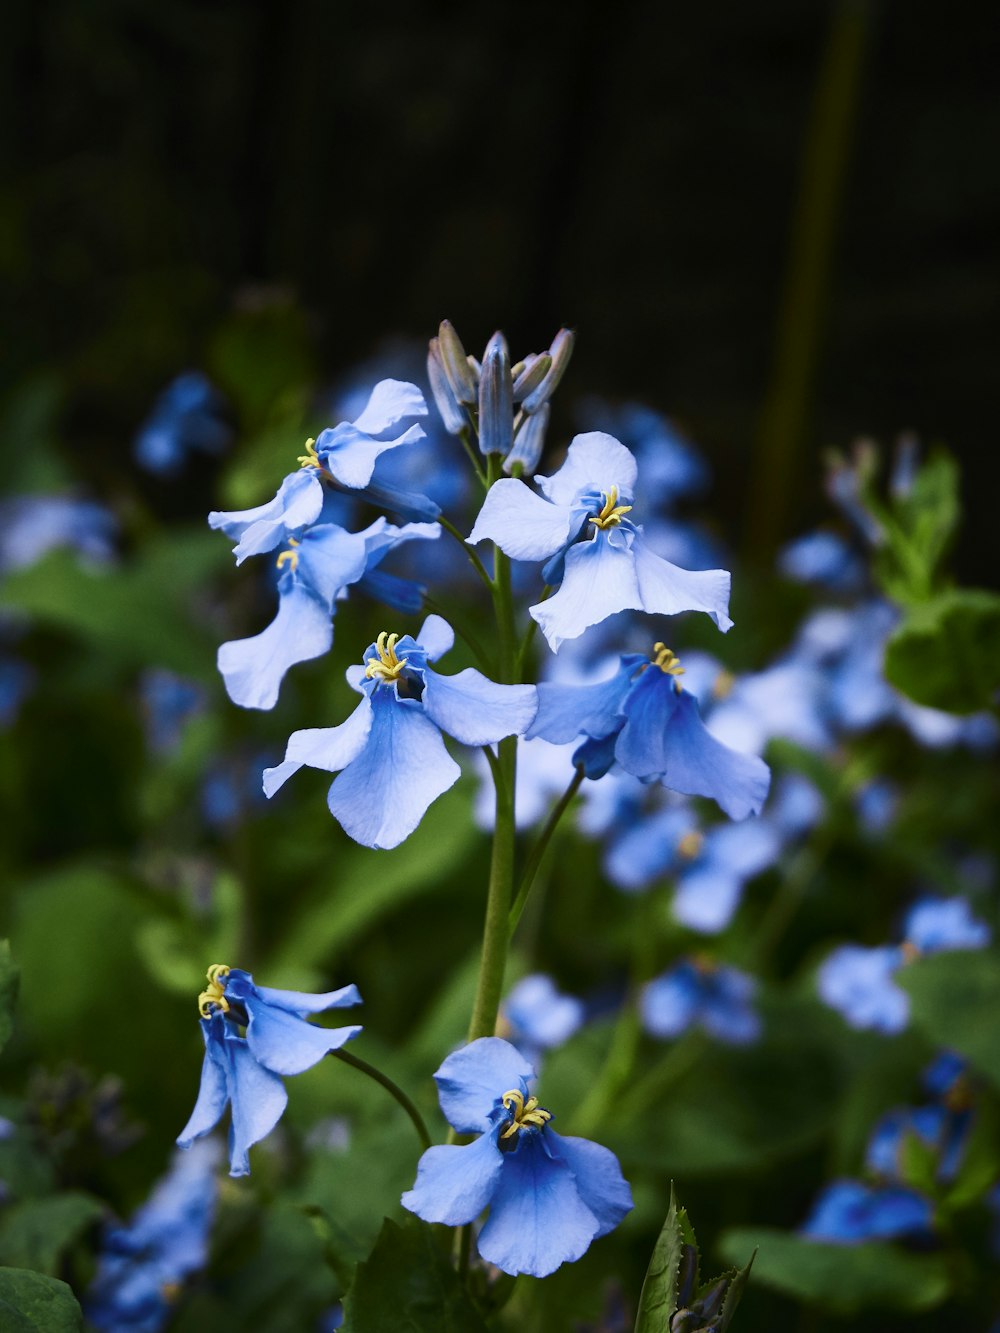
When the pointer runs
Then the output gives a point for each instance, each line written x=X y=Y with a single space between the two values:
x=823 y=559
x=941 y=1126
x=168 y=701
x=390 y=749
x=544 y=772
x=316 y=569
x=698 y=993
x=672 y=467
x=595 y=554
x=344 y=455
x=548 y=1196
x=643 y=720
x=141 y=1265
x=33 y=525
x=16 y=682
x=254 y=1035
x=187 y=416
x=536 y=1017
x=720 y=865
x=848 y=1213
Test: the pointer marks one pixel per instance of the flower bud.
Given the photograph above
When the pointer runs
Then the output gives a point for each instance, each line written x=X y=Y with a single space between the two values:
x=533 y=371
x=529 y=442
x=460 y=374
x=447 y=404
x=560 y=352
x=496 y=404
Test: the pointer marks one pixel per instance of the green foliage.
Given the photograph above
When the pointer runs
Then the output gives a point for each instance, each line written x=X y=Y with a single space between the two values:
x=9 y=978
x=32 y=1303
x=918 y=526
x=952 y=997
x=35 y=1234
x=946 y=652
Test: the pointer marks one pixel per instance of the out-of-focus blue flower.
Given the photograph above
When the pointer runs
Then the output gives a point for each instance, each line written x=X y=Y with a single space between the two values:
x=696 y=993
x=786 y=700
x=848 y=1213
x=672 y=468
x=231 y=790
x=331 y=1319
x=142 y=1265
x=187 y=417
x=645 y=847
x=244 y=1071
x=316 y=570
x=728 y=857
x=548 y=1196
x=345 y=456
x=33 y=525
x=544 y=772
x=596 y=556
x=939 y=1126
x=168 y=701
x=642 y=719
x=944 y=1073
x=538 y=1018
x=16 y=682
x=391 y=749
x=876 y=803
x=823 y=559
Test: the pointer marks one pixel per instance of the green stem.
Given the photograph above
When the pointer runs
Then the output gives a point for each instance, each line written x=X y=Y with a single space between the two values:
x=474 y=559
x=540 y=847
x=672 y=1066
x=493 y=960
x=477 y=648
x=393 y=1089
x=473 y=456
x=529 y=634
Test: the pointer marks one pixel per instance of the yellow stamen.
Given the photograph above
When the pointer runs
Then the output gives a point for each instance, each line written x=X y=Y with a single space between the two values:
x=910 y=951
x=690 y=845
x=667 y=661
x=291 y=556
x=611 y=515
x=388 y=666
x=723 y=685
x=310 y=458
x=527 y=1114
x=214 y=996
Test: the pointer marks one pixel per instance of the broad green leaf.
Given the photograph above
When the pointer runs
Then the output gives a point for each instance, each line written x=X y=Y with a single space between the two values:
x=658 y=1298
x=952 y=999
x=946 y=653
x=9 y=977
x=843 y=1278
x=259 y=357
x=36 y=1233
x=407 y=1285
x=33 y=1303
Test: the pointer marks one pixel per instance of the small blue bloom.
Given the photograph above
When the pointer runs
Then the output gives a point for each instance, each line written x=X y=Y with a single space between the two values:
x=33 y=525
x=595 y=554
x=671 y=466
x=168 y=701
x=548 y=1196
x=876 y=803
x=935 y=924
x=849 y=1213
x=727 y=858
x=941 y=1126
x=697 y=993
x=644 y=848
x=186 y=417
x=391 y=749
x=244 y=1070
x=537 y=1018
x=824 y=560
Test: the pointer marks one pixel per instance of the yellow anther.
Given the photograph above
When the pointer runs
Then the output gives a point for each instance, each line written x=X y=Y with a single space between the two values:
x=910 y=951
x=612 y=512
x=667 y=661
x=527 y=1114
x=291 y=556
x=722 y=686
x=690 y=845
x=388 y=666
x=310 y=458
x=214 y=996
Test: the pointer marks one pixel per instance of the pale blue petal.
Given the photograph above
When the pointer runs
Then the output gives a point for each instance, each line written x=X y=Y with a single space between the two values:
x=350 y=455
x=475 y=710
x=454 y=1184
x=598 y=581
x=666 y=589
x=303 y=1002
x=436 y=637
x=670 y=1003
x=391 y=401
x=381 y=537
x=254 y=668
x=522 y=524
x=296 y=505
x=329 y=560
x=212 y=1093
x=473 y=1079
x=706 y=898
x=727 y=1007
x=537 y=1218
x=381 y=797
x=594 y=462
x=743 y=849
x=858 y=983
x=258 y=1099
x=287 y=1044
x=599 y=1179
x=936 y=924
x=328 y=748
x=568 y=711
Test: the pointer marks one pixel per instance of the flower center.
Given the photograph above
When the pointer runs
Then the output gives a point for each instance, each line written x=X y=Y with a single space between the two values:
x=722 y=686
x=291 y=556
x=214 y=996
x=612 y=512
x=388 y=666
x=668 y=662
x=525 y=1114
x=910 y=951
x=690 y=845
x=310 y=458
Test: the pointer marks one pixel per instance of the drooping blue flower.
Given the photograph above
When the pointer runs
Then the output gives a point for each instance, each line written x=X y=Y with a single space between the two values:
x=536 y=1017
x=823 y=559
x=643 y=720
x=848 y=1213
x=344 y=456
x=941 y=1126
x=728 y=856
x=672 y=468
x=253 y=1036
x=316 y=570
x=391 y=748
x=596 y=556
x=786 y=699
x=142 y=1264
x=548 y=1196
x=33 y=525
x=187 y=417
x=699 y=993
x=168 y=701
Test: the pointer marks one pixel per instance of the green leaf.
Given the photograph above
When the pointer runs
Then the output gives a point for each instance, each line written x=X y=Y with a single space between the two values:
x=950 y=996
x=32 y=1303
x=946 y=653
x=660 y=1288
x=738 y=1279
x=35 y=1234
x=407 y=1285
x=842 y=1278
x=9 y=978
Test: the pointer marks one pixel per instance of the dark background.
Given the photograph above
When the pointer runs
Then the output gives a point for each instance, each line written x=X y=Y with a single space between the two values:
x=668 y=179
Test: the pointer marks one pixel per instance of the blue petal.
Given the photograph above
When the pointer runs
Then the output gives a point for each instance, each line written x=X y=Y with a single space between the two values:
x=599 y=580
x=350 y=455
x=599 y=1179
x=858 y=983
x=594 y=461
x=400 y=594
x=287 y=1044
x=258 y=1099
x=522 y=524
x=296 y=505
x=706 y=899
x=648 y=849
x=537 y=1218
x=727 y=1011
x=935 y=924
x=328 y=748
x=254 y=668
x=435 y=637
x=329 y=560
x=473 y=1079
x=475 y=710
x=212 y=1092
x=568 y=711
x=666 y=589
x=382 y=537
x=454 y=1184
x=670 y=1003
x=390 y=402
x=381 y=797
x=302 y=1002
